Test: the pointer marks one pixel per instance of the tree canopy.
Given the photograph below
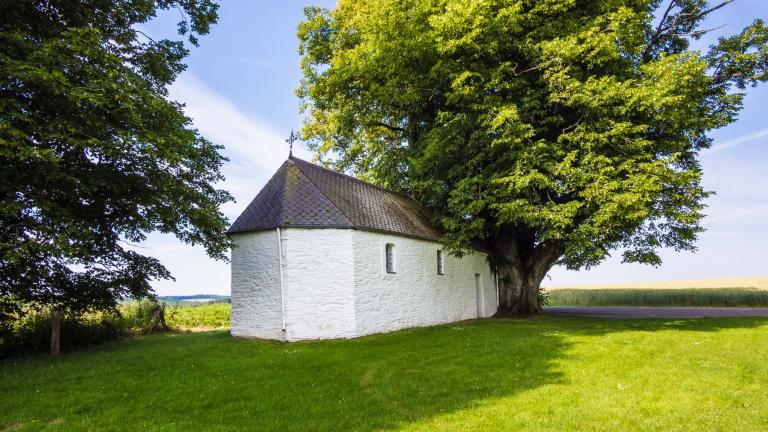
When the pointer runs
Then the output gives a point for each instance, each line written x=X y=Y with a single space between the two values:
x=94 y=155
x=555 y=131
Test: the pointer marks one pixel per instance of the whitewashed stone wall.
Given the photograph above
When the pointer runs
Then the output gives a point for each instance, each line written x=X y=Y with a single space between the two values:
x=256 y=298
x=415 y=295
x=319 y=283
x=335 y=285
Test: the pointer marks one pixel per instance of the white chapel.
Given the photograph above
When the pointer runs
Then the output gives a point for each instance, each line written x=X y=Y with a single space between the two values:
x=319 y=254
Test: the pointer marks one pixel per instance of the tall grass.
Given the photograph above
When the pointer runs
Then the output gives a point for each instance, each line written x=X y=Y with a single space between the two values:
x=31 y=332
x=207 y=315
x=694 y=297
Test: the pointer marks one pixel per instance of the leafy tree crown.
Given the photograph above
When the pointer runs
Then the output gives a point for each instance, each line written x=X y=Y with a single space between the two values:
x=94 y=155
x=565 y=128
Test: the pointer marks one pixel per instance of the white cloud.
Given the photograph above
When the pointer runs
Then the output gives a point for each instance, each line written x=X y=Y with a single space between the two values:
x=255 y=150
x=756 y=213
x=254 y=147
x=250 y=142
x=723 y=145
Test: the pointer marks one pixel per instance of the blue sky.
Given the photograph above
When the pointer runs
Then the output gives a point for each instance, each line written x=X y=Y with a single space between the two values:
x=239 y=89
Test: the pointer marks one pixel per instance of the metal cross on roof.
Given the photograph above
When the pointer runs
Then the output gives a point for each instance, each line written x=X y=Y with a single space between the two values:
x=290 y=142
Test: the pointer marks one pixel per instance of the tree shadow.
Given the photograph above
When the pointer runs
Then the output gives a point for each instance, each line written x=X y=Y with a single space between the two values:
x=594 y=326
x=416 y=374
x=209 y=381
x=392 y=380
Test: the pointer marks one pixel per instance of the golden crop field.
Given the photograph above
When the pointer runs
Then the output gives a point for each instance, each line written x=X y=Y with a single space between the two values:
x=760 y=282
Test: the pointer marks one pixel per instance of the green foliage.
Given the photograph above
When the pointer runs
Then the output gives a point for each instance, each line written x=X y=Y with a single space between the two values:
x=544 y=296
x=554 y=131
x=133 y=316
x=544 y=374
x=94 y=155
x=696 y=297
x=31 y=332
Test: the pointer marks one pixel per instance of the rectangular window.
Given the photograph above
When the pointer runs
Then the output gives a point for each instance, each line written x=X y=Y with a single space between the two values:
x=389 y=251
x=440 y=263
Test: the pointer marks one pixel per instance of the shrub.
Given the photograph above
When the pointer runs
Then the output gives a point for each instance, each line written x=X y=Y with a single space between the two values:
x=31 y=332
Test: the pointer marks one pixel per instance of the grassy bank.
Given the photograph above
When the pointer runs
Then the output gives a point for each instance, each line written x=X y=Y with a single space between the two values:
x=693 y=297
x=541 y=374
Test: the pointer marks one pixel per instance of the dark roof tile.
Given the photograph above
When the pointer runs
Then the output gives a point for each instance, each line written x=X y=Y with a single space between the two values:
x=306 y=195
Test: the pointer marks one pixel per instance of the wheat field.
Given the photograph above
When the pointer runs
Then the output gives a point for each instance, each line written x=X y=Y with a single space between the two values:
x=760 y=282
x=715 y=292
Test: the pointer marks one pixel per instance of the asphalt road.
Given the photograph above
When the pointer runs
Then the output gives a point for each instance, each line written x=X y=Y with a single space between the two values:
x=654 y=312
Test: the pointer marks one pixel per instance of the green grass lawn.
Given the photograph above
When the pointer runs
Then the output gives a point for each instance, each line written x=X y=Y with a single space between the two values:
x=695 y=297
x=539 y=374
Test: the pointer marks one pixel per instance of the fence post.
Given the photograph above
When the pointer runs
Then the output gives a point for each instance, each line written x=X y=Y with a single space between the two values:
x=55 y=332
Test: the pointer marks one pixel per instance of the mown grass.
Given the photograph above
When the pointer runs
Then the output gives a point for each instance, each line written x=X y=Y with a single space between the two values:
x=694 y=297
x=558 y=374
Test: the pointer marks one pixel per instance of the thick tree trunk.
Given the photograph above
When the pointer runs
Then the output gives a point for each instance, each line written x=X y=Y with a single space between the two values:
x=520 y=276
x=55 y=332
x=518 y=292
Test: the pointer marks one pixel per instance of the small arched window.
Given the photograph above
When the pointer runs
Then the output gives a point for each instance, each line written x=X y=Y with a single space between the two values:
x=440 y=263
x=389 y=254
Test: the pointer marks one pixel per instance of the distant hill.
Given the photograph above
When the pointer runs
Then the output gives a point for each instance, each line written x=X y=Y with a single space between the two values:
x=194 y=298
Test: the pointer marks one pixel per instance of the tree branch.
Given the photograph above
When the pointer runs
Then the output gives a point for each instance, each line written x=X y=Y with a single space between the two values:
x=662 y=29
x=697 y=33
x=710 y=10
x=144 y=34
x=657 y=33
x=386 y=126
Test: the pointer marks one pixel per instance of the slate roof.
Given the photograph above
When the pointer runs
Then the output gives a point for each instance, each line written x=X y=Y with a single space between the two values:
x=302 y=194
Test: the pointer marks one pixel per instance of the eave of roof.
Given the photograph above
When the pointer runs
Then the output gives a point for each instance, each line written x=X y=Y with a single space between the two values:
x=476 y=246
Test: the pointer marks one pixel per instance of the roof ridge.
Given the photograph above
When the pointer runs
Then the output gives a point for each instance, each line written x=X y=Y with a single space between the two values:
x=382 y=188
x=291 y=159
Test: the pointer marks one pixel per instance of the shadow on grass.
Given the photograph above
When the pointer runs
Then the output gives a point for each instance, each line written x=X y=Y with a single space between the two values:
x=209 y=381
x=594 y=326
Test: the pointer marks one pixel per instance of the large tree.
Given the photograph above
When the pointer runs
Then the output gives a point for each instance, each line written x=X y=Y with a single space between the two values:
x=555 y=131
x=93 y=153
